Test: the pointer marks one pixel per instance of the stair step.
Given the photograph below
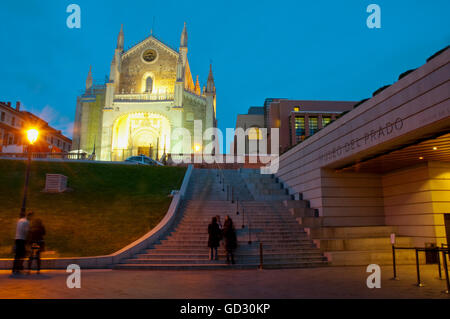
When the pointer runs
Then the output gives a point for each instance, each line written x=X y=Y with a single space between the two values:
x=255 y=254
x=200 y=251
x=218 y=266
x=238 y=259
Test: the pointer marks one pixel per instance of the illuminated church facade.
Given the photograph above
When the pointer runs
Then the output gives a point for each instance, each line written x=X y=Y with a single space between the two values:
x=149 y=94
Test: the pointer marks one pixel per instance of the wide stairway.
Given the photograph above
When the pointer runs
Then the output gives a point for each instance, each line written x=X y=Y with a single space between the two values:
x=285 y=244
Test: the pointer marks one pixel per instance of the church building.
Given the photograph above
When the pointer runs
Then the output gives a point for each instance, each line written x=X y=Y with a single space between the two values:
x=149 y=94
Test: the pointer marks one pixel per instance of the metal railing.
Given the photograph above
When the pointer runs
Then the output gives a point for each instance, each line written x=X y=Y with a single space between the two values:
x=47 y=155
x=445 y=253
x=159 y=96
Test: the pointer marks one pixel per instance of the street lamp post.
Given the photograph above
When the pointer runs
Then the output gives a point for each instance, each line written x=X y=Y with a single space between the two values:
x=32 y=136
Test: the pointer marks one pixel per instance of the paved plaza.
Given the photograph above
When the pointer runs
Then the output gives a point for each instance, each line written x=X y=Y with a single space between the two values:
x=325 y=282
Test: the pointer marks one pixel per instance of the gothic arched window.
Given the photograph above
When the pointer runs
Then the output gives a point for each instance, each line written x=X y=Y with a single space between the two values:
x=149 y=85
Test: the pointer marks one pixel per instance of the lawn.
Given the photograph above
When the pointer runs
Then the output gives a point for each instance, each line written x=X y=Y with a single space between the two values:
x=108 y=206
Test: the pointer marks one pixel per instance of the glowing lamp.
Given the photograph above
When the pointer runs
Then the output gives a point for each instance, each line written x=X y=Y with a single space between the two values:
x=32 y=135
x=197 y=148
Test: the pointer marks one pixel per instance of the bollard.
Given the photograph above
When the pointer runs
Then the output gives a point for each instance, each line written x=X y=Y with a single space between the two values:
x=249 y=232
x=419 y=284
x=439 y=264
x=393 y=263
x=444 y=257
x=260 y=256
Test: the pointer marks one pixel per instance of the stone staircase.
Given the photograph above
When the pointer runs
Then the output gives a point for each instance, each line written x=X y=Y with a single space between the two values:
x=263 y=186
x=341 y=242
x=259 y=217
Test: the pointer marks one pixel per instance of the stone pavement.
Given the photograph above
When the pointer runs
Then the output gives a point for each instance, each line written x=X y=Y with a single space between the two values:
x=325 y=282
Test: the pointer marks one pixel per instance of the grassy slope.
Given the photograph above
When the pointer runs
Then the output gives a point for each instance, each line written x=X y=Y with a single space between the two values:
x=109 y=207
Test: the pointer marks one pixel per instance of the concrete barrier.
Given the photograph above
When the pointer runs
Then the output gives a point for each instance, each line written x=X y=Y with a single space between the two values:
x=140 y=244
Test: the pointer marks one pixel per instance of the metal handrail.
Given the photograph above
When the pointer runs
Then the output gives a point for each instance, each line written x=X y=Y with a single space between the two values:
x=445 y=252
x=249 y=230
x=261 y=259
x=221 y=176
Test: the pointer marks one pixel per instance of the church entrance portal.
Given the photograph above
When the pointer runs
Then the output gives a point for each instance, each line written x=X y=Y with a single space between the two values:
x=140 y=133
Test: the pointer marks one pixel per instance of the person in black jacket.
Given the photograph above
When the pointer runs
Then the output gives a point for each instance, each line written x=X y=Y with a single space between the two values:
x=215 y=235
x=229 y=234
x=36 y=238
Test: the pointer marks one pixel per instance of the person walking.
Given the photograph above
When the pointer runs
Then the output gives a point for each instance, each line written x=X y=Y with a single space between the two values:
x=20 y=241
x=214 y=237
x=36 y=238
x=229 y=234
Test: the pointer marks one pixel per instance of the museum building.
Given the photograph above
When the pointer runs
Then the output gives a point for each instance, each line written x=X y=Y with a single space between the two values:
x=386 y=162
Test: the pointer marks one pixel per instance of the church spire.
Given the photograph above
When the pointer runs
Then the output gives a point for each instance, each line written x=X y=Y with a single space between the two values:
x=89 y=79
x=120 y=39
x=197 y=88
x=210 y=86
x=184 y=38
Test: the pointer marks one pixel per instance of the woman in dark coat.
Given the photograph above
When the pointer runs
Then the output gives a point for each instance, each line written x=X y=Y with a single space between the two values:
x=229 y=234
x=36 y=237
x=215 y=235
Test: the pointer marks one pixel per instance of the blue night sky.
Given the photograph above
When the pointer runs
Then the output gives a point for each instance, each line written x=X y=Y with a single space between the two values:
x=293 y=49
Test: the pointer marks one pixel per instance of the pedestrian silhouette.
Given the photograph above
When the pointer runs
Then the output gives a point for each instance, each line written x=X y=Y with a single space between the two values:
x=229 y=234
x=23 y=225
x=214 y=237
x=36 y=239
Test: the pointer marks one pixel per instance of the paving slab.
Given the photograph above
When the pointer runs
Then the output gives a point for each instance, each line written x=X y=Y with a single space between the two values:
x=322 y=282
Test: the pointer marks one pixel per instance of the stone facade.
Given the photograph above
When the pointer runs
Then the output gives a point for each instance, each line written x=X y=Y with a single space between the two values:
x=134 y=69
x=149 y=94
x=14 y=122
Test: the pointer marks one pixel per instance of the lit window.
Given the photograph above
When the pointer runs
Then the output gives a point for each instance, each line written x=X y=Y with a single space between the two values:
x=299 y=126
x=326 y=120
x=313 y=125
x=254 y=133
x=296 y=109
x=149 y=85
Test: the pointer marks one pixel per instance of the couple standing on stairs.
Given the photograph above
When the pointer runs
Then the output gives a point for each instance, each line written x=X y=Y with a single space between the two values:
x=215 y=235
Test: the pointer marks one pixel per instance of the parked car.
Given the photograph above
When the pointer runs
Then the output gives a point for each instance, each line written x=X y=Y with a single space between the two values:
x=143 y=160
